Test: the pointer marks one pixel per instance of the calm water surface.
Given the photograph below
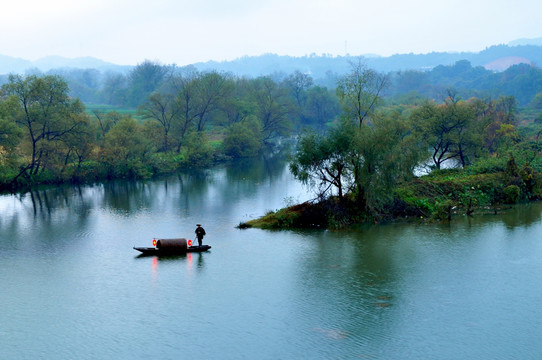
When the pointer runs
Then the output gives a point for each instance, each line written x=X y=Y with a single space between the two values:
x=72 y=287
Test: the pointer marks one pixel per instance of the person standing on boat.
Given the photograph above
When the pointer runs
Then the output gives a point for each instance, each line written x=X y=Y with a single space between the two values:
x=200 y=233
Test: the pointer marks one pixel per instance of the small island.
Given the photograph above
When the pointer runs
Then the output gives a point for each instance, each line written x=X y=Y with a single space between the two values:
x=435 y=197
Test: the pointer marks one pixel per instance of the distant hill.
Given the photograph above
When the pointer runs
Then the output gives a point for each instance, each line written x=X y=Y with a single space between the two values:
x=495 y=58
x=536 y=42
x=55 y=62
x=19 y=66
x=321 y=66
x=504 y=63
x=13 y=65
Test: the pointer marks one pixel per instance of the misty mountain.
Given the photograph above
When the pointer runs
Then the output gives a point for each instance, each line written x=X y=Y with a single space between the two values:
x=536 y=42
x=54 y=62
x=496 y=58
x=15 y=65
x=10 y=64
x=320 y=67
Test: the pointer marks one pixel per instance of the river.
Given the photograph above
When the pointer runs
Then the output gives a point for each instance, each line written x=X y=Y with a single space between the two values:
x=72 y=287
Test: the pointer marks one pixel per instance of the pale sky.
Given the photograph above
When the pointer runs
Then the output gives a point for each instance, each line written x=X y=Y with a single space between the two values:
x=183 y=32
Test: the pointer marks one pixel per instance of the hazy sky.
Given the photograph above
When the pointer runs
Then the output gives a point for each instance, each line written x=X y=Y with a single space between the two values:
x=184 y=32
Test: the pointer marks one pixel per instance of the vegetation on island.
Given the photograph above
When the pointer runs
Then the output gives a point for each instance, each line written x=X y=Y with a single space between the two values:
x=427 y=161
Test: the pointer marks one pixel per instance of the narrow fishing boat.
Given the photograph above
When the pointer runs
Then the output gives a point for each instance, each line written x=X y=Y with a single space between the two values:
x=171 y=247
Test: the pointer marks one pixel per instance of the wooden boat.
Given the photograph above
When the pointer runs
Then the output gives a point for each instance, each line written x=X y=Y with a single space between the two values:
x=166 y=252
x=171 y=247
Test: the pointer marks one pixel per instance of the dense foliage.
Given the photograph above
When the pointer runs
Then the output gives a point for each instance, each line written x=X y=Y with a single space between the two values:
x=363 y=147
x=371 y=167
x=184 y=118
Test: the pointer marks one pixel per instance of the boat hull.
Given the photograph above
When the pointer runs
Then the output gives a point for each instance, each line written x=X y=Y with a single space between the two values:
x=171 y=252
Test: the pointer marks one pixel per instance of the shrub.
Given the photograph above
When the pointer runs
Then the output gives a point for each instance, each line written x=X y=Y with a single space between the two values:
x=443 y=210
x=488 y=166
x=243 y=139
x=511 y=194
x=139 y=170
x=166 y=162
x=6 y=174
x=197 y=150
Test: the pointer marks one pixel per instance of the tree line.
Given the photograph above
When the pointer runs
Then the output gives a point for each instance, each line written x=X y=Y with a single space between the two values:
x=522 y=81
x=131 y=88
x=184 y=118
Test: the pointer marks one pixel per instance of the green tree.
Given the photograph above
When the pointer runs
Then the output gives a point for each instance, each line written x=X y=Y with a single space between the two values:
x=126 y=149
x=239 y=105
x=467 y=138
x=164 y=109
x=10 y=136
x=41 y=106
x=299 y=83
x=368 y=161
x=212 y=91
x=449 y=130
x=273 y=107
x=360 y=91
x=321 y=106
x=536 y=102
x=506 y=108
x=78 y=145
x=144 y=79
x=186 y=88
x=323 y=161
x=104 y=121
x=243 y=139
x=114 y=90
x=384 y=154
x=197 y=149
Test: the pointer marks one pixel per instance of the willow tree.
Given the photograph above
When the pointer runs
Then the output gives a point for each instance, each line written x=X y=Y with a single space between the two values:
x=323 y=162
x=366 y=159
x=384 y=154
x=367 y=162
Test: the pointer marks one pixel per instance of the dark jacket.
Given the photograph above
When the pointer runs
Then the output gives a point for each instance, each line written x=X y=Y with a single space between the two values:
x=200 y=232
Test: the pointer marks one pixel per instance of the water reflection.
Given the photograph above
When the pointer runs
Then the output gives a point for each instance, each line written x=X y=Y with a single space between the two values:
x=269 y=168
x=192 y=260
x=526 y=215
x=206 y=193
x=49 y=211
x=352 y=279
